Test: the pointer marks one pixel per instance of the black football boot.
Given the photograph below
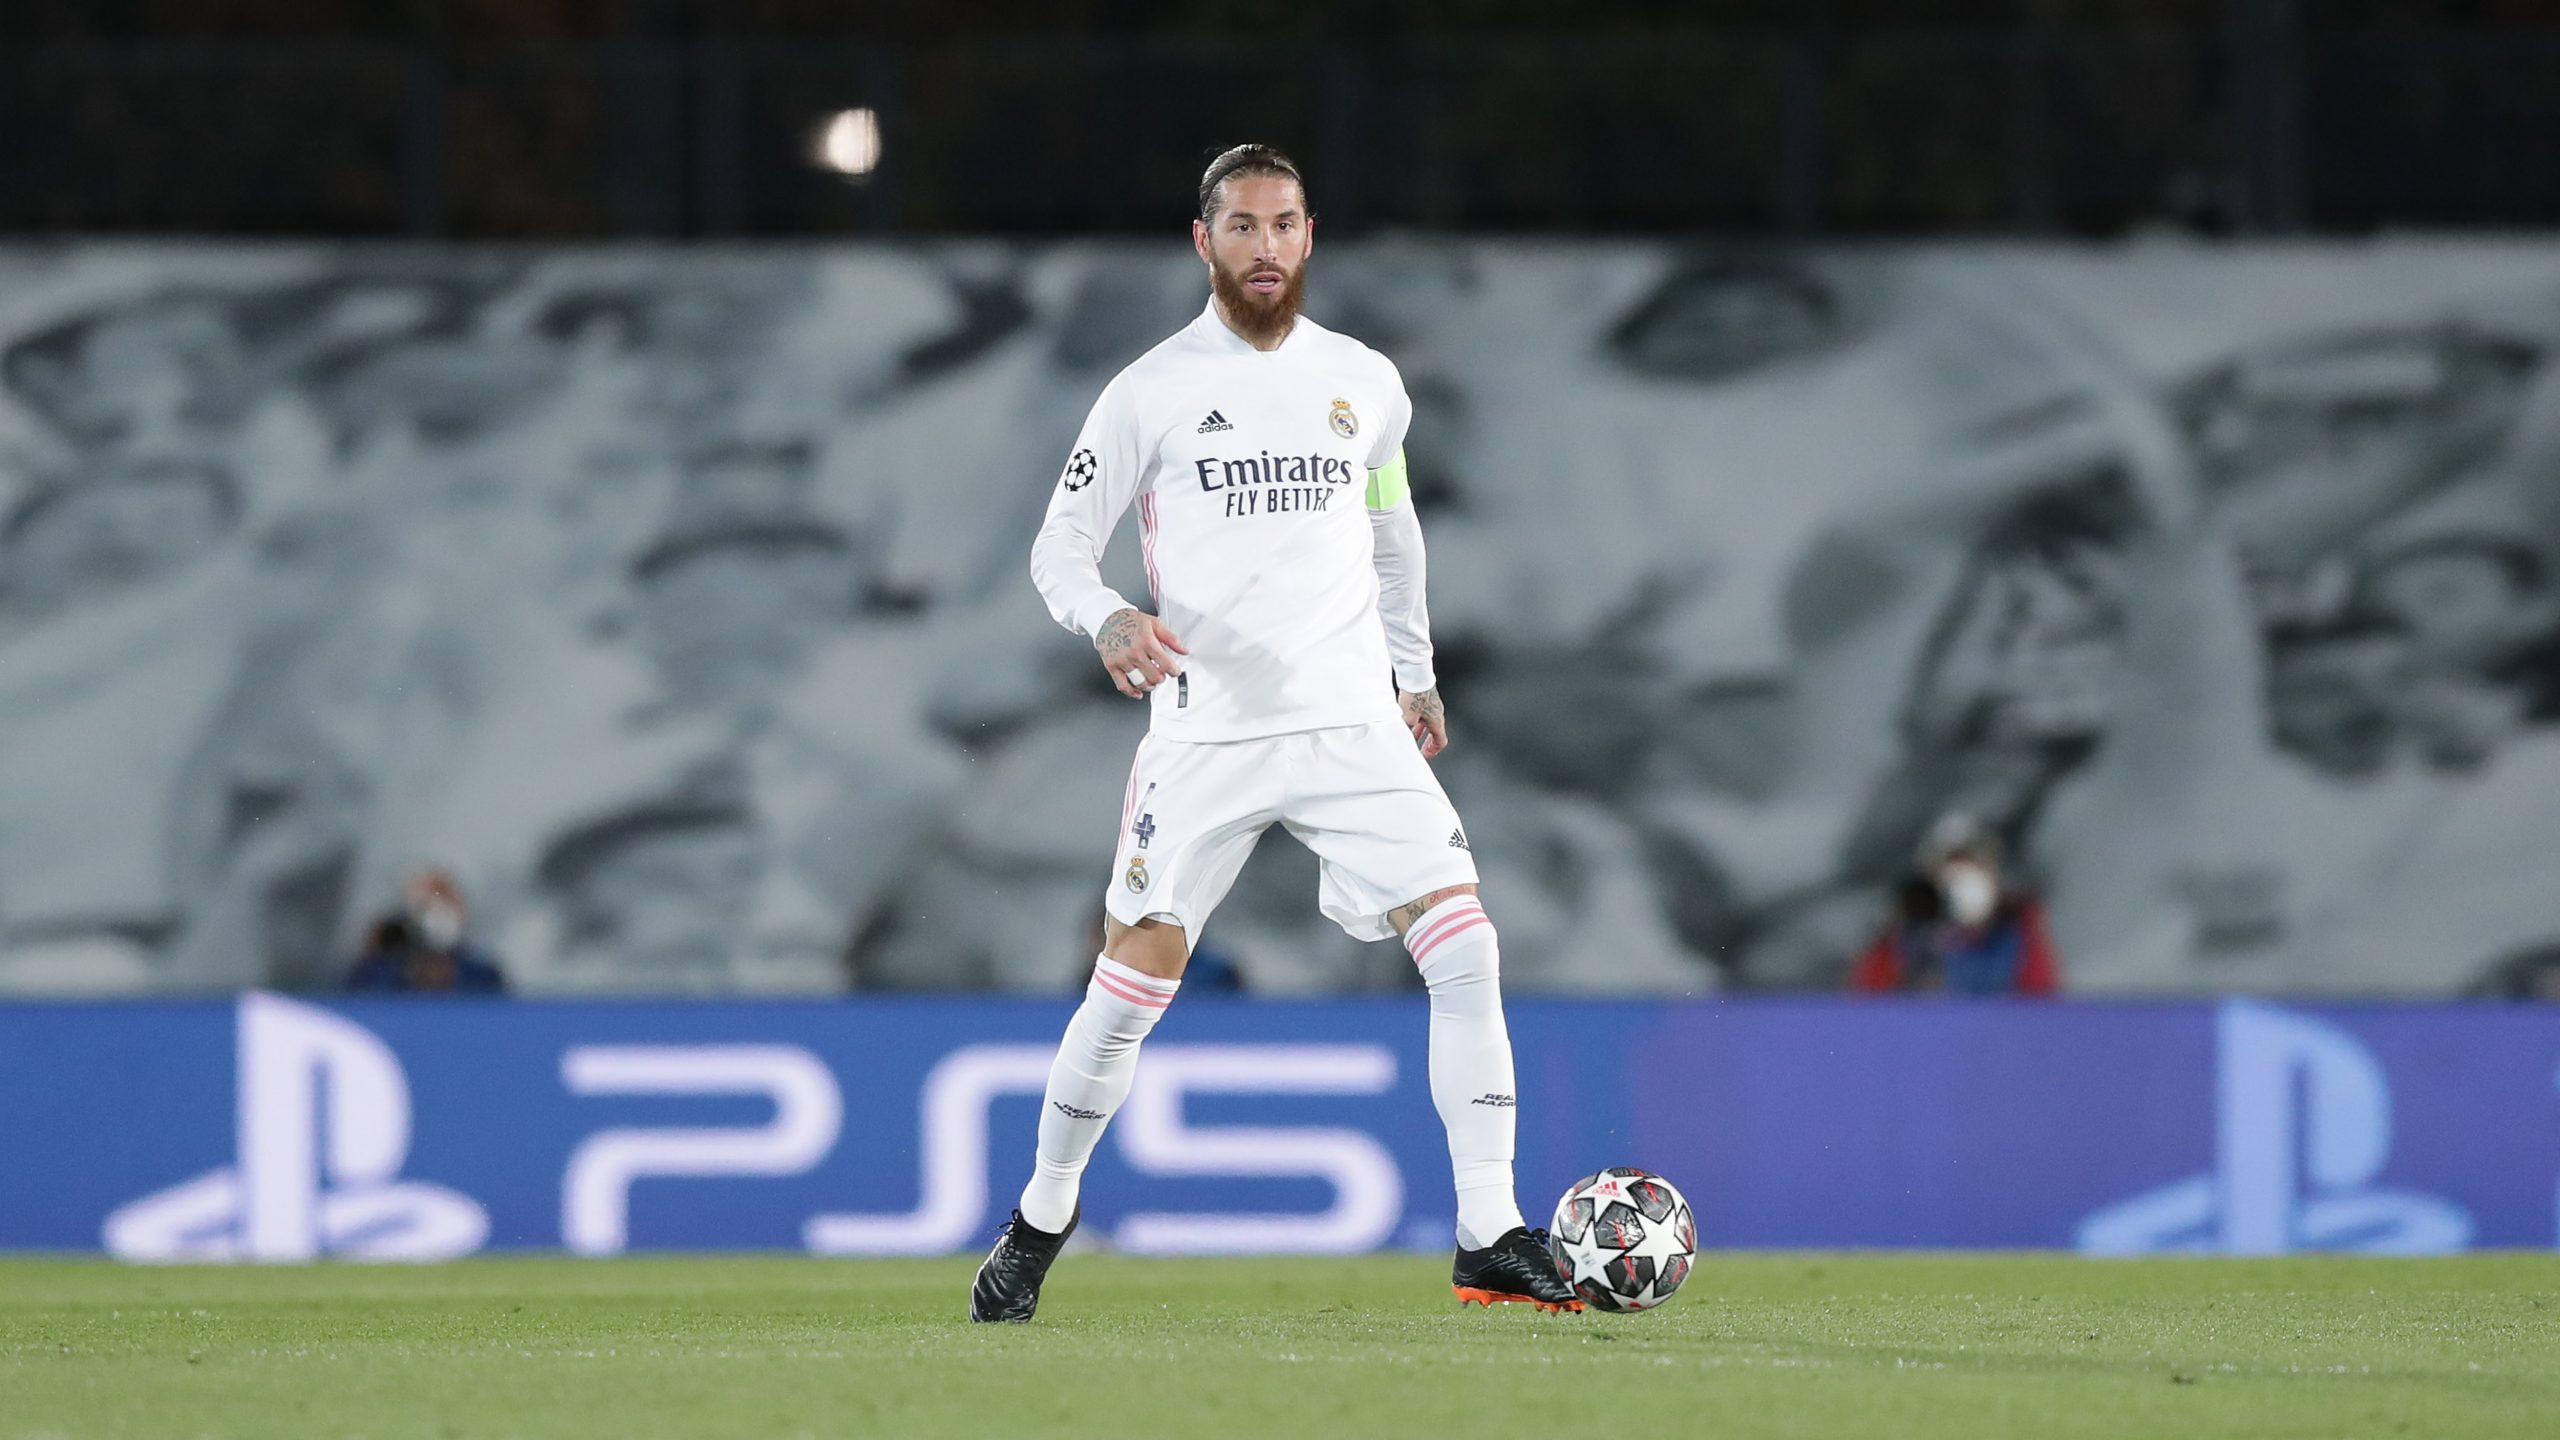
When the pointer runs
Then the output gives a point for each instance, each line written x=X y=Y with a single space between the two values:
x=1514 y=1270
x=1008 y=1285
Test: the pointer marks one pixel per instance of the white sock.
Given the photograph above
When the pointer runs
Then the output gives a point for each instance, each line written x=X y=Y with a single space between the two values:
x=1097 y=1058
x=1471 y=1081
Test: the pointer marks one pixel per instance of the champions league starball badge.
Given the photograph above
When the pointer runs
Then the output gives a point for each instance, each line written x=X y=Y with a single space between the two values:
x=1137 y=876
x=1345 y=424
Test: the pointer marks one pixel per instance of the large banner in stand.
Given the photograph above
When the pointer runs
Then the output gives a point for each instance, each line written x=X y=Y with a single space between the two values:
x=270 y=1128
x=675 y=599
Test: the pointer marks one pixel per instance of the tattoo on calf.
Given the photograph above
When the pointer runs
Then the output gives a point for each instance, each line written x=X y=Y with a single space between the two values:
x=1405 y=917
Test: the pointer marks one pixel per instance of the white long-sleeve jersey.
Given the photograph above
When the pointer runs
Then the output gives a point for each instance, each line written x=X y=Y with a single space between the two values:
x=1279 y=543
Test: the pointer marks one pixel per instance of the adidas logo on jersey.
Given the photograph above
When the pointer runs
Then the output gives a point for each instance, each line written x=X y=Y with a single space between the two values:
x=1215 y=423
x=1458 y=841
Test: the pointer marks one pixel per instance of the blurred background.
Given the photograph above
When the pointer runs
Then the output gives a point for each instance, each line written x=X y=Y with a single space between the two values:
x=1999 y=497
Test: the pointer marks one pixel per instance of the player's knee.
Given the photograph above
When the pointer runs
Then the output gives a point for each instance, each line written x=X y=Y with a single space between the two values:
x=1154 y=947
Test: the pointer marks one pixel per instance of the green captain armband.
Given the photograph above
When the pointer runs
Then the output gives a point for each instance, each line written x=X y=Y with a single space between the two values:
x=1387 y=485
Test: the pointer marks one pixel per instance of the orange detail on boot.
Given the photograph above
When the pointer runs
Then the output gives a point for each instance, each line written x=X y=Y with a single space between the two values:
x=1468 y=1295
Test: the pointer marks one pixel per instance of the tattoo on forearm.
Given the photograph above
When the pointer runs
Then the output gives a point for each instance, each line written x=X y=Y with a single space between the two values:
x=1118 y=632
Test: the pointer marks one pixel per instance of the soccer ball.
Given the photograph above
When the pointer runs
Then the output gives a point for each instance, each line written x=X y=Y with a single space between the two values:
x=1623 y=1239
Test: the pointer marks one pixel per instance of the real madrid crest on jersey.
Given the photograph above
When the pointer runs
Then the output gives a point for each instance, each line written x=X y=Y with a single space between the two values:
x=1345 y=424
x=1137 y=876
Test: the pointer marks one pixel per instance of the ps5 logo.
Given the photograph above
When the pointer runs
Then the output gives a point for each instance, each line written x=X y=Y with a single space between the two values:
x=1158 y=1140
x=2302 y=1126
x=323 y=1117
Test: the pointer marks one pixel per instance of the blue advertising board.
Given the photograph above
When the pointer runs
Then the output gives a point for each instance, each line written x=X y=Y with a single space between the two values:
x=274 y=1128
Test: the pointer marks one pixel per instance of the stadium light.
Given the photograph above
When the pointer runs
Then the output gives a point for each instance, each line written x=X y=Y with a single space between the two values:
x=849 y=143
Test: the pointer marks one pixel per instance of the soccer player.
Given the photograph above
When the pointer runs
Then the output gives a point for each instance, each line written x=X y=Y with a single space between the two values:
x=1288 y=671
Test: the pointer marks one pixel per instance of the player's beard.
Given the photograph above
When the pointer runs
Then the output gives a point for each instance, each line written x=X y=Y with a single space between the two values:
x=1261 y=319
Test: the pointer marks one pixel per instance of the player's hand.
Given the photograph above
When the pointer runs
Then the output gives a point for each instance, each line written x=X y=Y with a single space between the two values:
x=1427 y=718
x=1138 y=651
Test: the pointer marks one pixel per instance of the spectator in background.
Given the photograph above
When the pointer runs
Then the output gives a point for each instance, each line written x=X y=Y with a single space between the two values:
x=420 y=949
x=1957 y=927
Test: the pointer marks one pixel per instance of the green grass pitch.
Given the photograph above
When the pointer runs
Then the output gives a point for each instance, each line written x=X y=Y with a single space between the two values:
x=1875 y=1347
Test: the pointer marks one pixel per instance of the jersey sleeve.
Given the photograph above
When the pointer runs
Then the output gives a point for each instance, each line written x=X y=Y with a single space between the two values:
x=1094 y=490
x=1389 y=444
x=1397 y=533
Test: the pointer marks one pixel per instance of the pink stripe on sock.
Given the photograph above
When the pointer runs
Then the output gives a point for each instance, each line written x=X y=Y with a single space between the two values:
x=1423 y=952
x=1128 y=975
x=1439 y=921
x=1131 y=993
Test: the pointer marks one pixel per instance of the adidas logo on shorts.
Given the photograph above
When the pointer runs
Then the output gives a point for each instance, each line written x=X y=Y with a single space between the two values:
x=1215 y=423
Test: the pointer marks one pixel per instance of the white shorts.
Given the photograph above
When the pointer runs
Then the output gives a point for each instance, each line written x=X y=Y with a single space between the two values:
x=1360 y=796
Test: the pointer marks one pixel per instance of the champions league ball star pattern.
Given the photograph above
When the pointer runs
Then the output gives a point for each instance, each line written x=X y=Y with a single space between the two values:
x=1624 y=1239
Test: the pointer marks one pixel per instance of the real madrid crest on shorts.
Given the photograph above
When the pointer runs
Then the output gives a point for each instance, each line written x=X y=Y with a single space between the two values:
x=1137 y=876
x=1345 y=424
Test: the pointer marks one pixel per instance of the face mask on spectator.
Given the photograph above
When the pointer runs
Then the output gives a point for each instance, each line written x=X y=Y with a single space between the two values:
x=440 y=922
x=1970 y=892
